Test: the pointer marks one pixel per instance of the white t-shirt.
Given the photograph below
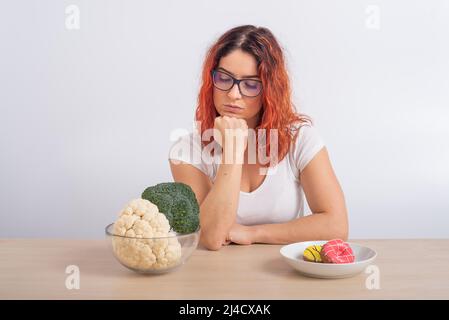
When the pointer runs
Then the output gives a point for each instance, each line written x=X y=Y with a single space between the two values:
x=280 y=198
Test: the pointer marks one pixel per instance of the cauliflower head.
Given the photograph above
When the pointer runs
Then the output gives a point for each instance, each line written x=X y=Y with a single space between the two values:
x=138 y=221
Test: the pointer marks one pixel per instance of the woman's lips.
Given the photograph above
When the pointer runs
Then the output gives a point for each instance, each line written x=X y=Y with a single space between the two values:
x=232 y=108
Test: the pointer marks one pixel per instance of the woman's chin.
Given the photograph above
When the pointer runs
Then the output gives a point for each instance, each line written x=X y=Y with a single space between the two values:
x=230 y=114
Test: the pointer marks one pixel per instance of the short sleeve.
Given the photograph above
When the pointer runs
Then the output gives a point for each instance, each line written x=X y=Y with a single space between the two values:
x=188 y=149
x=306 y=146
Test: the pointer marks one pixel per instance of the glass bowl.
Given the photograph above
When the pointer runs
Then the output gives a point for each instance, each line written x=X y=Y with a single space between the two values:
x=152 y=255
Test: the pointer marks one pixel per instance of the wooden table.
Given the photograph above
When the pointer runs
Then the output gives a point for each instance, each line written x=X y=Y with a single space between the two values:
x=36 y=269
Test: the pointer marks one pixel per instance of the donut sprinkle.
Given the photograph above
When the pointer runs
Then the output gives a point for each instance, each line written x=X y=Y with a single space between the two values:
x=313 y=253
x=337 y=251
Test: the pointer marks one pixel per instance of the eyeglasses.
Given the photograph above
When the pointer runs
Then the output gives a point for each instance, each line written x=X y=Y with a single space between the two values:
x=225 y=82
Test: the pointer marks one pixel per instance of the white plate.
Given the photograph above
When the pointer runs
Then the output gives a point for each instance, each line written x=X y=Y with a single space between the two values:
x=293 y=254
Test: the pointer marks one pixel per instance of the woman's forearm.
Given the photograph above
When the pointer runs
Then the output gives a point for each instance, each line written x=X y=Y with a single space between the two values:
x=219 y=208
x=318 y=226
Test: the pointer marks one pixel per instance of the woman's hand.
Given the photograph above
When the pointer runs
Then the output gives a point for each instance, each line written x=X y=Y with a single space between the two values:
x=240 y=234
x=232 y=135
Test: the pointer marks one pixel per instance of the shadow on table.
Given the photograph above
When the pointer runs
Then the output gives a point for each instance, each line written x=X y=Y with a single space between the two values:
x=280 y=268
x=95 y=260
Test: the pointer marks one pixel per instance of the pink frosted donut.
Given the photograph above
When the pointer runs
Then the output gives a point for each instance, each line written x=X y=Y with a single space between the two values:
x=337 y=251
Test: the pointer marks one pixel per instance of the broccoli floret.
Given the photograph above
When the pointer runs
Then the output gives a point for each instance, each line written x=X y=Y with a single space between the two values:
x=178 y=202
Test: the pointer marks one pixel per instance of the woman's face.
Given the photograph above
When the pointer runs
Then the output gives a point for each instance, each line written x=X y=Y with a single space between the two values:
x=240 y=65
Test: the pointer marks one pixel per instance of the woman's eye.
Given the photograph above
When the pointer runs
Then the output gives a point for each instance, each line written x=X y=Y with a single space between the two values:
x=223 y=78
x=251 y=84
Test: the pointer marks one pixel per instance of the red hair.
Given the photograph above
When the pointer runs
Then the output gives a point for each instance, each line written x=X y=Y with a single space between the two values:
x=278 y=110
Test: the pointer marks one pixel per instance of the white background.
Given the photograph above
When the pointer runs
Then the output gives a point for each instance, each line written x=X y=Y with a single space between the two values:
x=86 y=115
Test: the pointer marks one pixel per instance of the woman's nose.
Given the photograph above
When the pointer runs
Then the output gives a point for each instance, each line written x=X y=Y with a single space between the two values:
x=234 y=93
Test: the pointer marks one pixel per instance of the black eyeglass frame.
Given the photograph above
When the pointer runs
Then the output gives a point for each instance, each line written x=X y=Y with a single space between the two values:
x=234 y=81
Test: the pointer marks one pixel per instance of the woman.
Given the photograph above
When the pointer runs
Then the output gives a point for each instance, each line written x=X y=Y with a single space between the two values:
x=245 y=87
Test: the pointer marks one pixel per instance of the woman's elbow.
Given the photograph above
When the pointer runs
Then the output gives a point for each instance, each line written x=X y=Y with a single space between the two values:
x=211 y=238
x=338 y=233
x=339 y=228
x=211 y=244
x=343 y=235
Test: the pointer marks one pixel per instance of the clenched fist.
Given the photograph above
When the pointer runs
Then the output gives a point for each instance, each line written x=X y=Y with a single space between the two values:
x=232 y=135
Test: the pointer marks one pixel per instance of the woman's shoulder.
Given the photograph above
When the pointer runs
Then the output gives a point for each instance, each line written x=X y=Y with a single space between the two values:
x=307 y=141
x=296 y=126
x=185 y=145
x=190 y=138
x=301 y=131
x=188 y=148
